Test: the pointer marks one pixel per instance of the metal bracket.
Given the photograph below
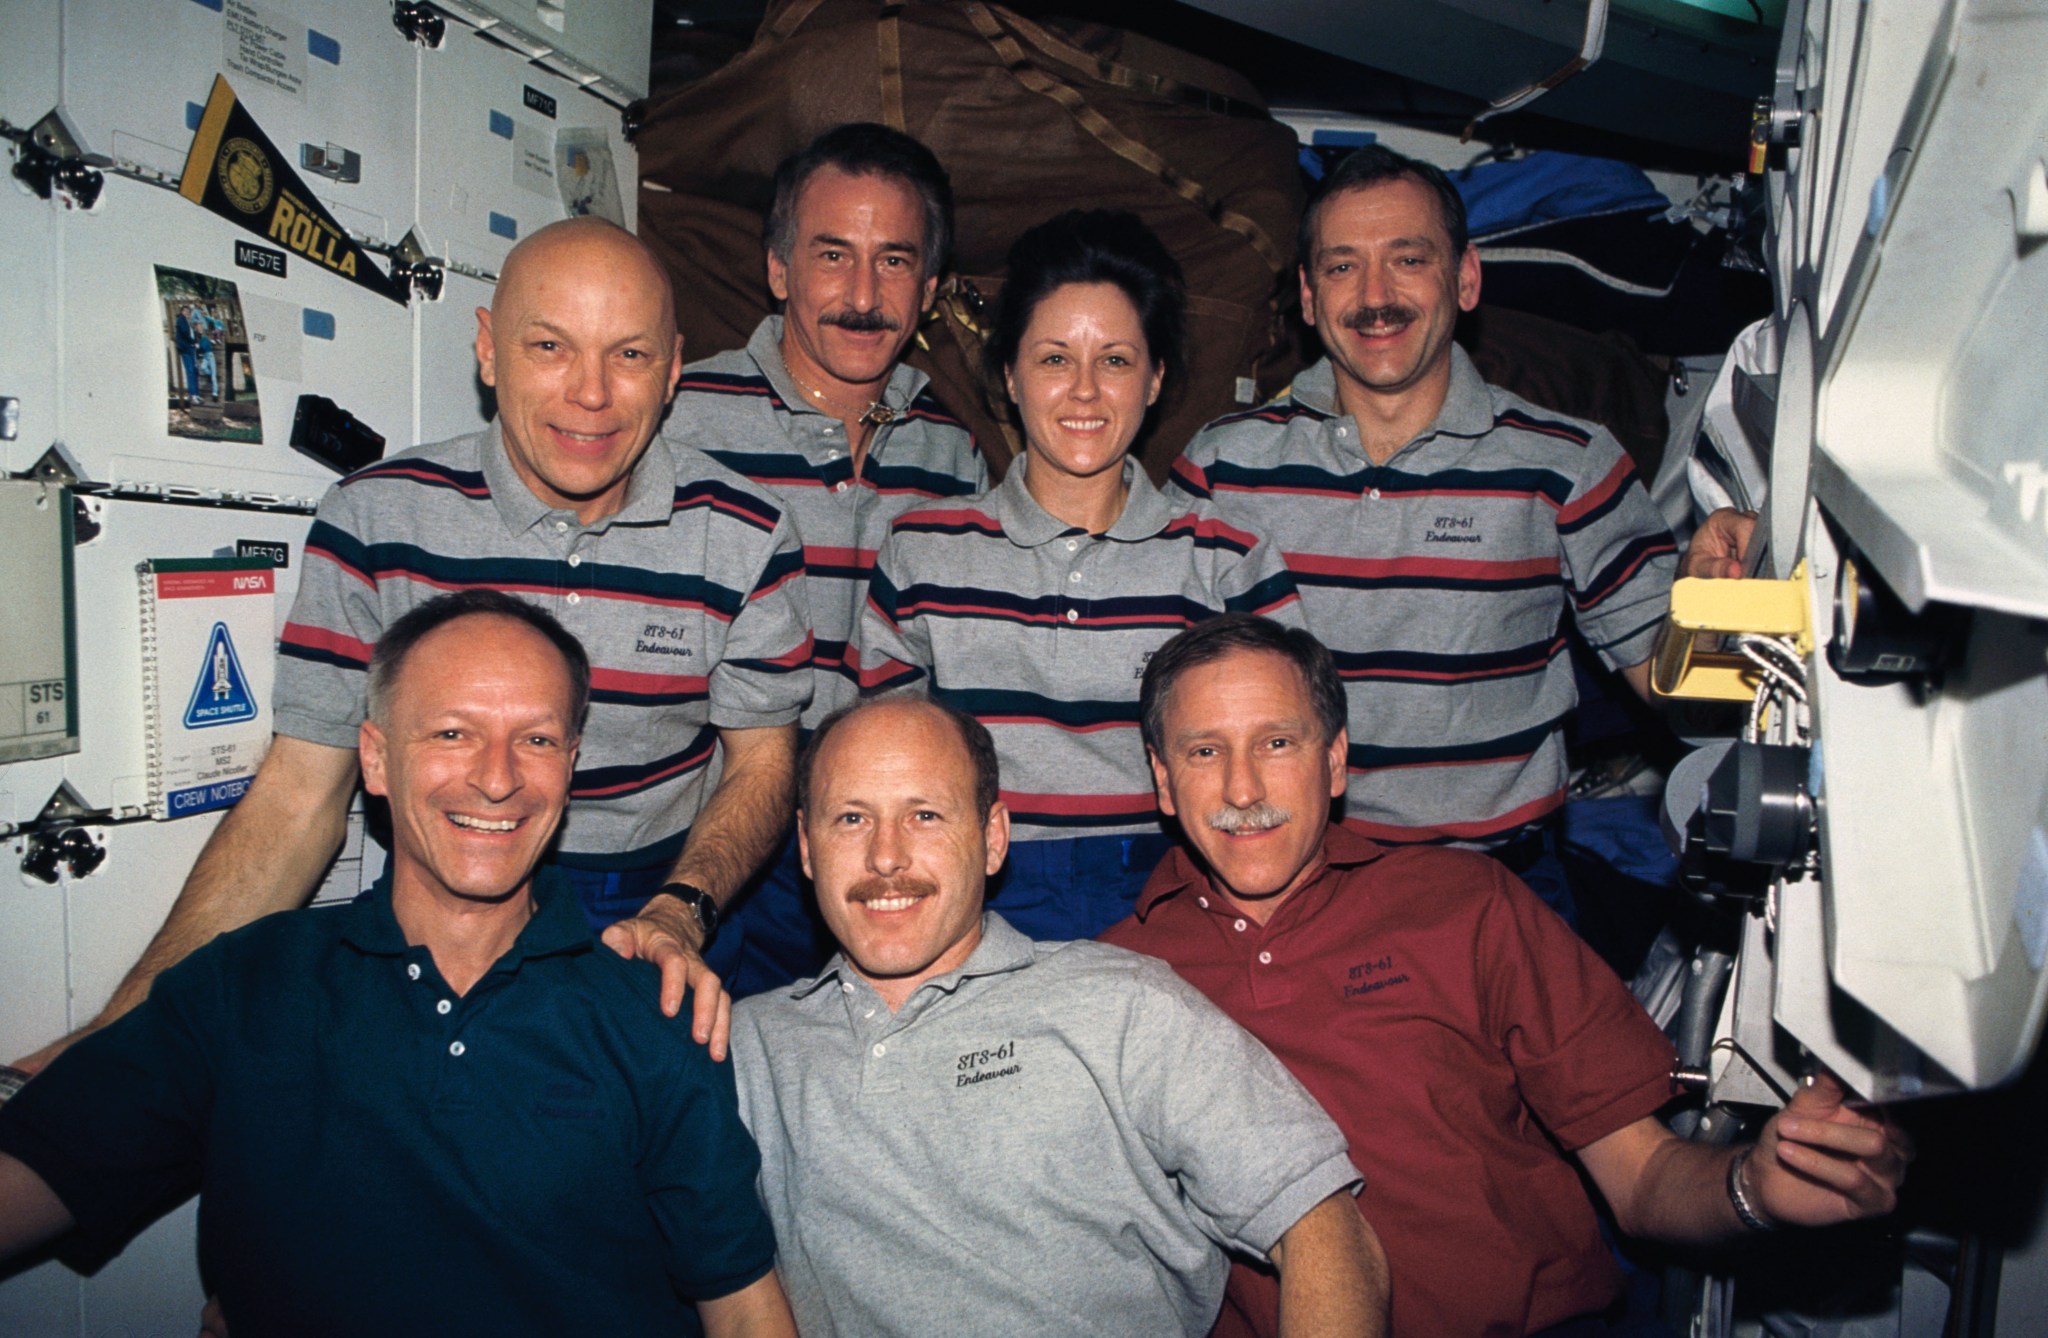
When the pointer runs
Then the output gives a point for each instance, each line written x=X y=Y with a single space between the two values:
x=56 y=466
x=1688 y=660
x=58 y=839
x=50 y=157
x=332 y=161
x=426 y=272
x=420 y=23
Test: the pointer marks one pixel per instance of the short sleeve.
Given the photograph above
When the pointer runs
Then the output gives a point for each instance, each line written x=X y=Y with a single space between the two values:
x=1619 y=559
x=1258 y=582
x=891 y=643
x=1250 y=1147
x=699 y=1171
x=117 y=1125
x=323 y=656
x=763 y=676
x=1587 y=1058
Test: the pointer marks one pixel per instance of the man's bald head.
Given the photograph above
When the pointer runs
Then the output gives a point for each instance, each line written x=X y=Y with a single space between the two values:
x=576 y=242
x=580 y=343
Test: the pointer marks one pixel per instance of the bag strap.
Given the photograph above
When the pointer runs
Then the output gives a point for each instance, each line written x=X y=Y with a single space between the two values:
x=889 y=63
x=1020 y=66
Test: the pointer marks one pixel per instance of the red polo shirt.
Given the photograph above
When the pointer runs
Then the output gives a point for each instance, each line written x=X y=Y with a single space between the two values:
x=1462 y=1037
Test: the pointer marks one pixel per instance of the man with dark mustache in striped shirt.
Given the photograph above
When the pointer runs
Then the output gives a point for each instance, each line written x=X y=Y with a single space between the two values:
x=1440 y=529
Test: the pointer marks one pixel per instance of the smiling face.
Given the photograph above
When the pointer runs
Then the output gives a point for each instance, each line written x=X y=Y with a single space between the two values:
x=854 y=283
x=474 y=756
x=1246 y=769
x=1082 y=381
x=897 y=846
x=580 y=343
x=1384 y=290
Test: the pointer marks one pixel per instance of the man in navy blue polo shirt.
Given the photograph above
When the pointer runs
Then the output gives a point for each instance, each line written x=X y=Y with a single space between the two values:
x=441 y=1108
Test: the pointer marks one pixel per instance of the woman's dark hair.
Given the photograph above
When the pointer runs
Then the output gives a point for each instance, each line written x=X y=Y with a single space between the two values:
x=1093 y=246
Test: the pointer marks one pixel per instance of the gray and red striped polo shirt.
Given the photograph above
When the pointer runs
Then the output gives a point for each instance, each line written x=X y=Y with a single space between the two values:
x=742 y=409
x=1441 y=580
x=1041 y=631
x=689 y=600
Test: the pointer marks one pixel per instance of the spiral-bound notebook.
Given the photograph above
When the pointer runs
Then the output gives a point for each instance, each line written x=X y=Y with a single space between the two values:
x=208 y=649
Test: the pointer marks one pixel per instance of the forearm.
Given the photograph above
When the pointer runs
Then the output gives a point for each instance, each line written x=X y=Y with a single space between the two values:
x=1333 y=1274
x=30 y=1211
x=755 y=1311
x=266 y=855
x=1637 y=676
x=744 y=821
x=1681 y=1197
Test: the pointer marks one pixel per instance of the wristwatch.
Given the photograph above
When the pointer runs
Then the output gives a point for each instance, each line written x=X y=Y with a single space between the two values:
x=701 y=905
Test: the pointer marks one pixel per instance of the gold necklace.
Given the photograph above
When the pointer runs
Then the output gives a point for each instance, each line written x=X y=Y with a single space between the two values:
x=875 y=414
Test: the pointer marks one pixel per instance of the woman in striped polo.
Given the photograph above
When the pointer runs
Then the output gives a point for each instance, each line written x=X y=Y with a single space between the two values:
x=1034 y=606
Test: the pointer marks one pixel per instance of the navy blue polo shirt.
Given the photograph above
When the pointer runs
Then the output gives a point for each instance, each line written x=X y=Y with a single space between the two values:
x=374 y=1154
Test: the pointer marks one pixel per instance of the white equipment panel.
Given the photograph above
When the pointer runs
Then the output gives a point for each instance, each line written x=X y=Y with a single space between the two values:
x=1912 y=442
x=452 y=144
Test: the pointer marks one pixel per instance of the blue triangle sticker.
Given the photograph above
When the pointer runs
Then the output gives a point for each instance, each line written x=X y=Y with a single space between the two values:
x=221 y=696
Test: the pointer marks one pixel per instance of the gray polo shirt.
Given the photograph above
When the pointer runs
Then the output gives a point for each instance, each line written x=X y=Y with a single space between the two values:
x=1041 y=631
x=1054 y=1139
x=1441 y=580
x=689 y=600
x=744 y=410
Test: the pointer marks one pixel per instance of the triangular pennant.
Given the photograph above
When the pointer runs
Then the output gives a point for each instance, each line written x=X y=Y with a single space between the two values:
x=234 y=170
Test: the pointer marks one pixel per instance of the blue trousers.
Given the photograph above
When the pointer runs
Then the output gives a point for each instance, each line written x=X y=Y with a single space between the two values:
x=1074 y=887
x=610 y=896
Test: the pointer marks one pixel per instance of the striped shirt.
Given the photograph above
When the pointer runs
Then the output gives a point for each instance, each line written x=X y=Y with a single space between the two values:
x=1041 y=631
x=743 y=410
x=1440 y=581
x=689 y=600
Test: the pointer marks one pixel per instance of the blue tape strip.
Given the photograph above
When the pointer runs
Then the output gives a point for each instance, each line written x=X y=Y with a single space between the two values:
x=1344 y=139
x=504 y=225
x=321 y=45
x=193 y=113
x=501 y=125
x=317 y=324
x=215 y=5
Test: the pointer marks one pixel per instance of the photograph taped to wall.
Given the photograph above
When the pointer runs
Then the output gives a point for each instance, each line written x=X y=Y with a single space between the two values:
x=586 y=175
x=212 y=384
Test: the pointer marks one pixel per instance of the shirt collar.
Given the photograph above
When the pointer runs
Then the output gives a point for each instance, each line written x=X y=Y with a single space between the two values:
x=650 y=489
x=764 y=346
x=1468 y=403
x=1181 y=871
x=1467 y=408
x=556 y=926
x=1001 y=949
x=1028 y=525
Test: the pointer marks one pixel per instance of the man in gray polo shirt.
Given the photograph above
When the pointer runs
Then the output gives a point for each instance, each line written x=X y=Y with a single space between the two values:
x=685 y=581
x=820 y=410
x=965 y=1131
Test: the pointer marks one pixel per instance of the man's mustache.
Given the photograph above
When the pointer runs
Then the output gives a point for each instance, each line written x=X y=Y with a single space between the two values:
x=1394 y=313
x=860 y=322
x=1262 y=816
x=880 y=889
